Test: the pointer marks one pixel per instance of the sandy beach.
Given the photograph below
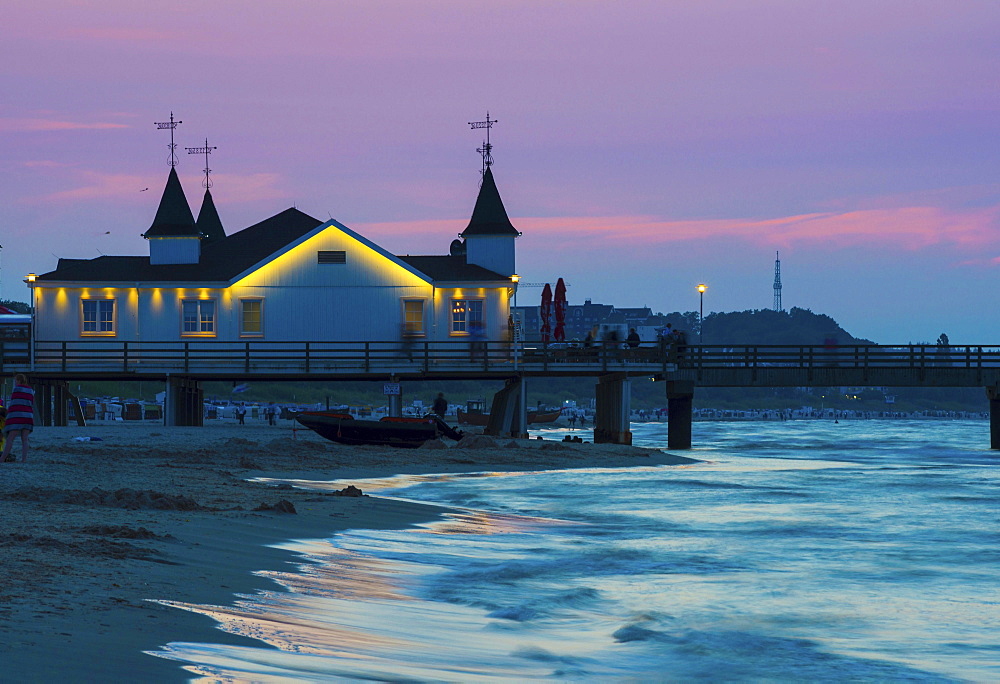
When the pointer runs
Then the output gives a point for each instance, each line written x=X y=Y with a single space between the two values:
x=96 y=530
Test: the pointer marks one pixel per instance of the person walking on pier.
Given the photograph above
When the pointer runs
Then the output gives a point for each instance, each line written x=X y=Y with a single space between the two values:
x=20 y=416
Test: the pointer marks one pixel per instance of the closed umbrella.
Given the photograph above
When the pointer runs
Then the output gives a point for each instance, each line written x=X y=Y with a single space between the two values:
x=559 y=304
x=545 y=313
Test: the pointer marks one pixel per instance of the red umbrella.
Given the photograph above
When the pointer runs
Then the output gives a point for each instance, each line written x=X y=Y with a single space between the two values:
x=560 y=304
x=546 y=312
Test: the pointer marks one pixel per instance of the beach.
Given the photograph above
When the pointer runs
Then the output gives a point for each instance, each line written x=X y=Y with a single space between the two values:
x=103 y=522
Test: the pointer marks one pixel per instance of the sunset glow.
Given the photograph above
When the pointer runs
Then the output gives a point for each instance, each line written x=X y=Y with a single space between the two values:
x=639 y=148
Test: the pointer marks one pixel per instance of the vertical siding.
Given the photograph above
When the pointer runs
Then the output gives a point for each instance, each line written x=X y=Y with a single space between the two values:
x=302 y=300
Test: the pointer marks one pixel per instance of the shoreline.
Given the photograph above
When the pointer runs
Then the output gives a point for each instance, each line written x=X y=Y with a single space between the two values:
x=95 y=532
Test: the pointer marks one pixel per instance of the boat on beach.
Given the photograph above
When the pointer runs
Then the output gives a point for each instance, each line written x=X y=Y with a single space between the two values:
x=474 y=414
x=404 y=432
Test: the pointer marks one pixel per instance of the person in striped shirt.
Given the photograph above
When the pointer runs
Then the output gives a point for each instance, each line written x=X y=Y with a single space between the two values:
x=20 y=416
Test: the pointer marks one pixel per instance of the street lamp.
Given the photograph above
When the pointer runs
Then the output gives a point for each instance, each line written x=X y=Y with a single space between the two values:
x=701 y=311
x=30 y=282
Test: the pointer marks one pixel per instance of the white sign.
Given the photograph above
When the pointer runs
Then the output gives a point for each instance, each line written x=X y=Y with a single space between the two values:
x=391 y=388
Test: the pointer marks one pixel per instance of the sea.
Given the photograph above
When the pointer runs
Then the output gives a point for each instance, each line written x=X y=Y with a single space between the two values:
x=811 y=550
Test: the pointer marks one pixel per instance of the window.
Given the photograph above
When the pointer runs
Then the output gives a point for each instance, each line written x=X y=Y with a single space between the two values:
x=337 y=257
x=198 y=317
x=251 y=316
x=413 y=316
x=98 y=316
x=466 y=314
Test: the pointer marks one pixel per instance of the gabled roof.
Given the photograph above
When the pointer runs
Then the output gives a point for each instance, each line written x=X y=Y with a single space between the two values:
x=173 y=216
x=450 y=268
x=489 y=216
x=221 y=260
x=209 y=224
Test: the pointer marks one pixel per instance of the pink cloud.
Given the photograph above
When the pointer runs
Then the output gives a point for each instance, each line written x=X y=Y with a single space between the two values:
x=45 y=164
x=243 y=188
x=122 y=34
x=910 y=228
x=96 y=186
x=35 y=125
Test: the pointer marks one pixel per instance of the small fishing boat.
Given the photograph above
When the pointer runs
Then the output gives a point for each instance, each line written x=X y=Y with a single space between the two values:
x=475 y=415
x=389 y=431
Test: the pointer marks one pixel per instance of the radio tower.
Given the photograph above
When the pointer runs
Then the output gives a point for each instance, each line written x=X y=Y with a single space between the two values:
x=777 y=283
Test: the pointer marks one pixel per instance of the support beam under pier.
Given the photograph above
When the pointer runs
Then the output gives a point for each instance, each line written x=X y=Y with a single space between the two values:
x=184 y=405
x=508 y=412
x=614 y=406
x=51 y=402
x=993 y=394
x=680 y=396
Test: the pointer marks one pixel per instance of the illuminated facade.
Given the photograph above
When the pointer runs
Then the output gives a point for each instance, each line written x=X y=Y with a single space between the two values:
x=288 y=278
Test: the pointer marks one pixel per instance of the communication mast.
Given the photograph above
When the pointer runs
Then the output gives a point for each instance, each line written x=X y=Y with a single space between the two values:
x=777 y=283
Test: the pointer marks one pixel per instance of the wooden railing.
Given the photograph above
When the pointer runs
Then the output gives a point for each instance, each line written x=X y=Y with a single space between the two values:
x=249 y=357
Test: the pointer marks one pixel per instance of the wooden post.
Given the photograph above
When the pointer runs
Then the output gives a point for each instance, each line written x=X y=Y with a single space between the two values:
x=507 y=414
x=680 y=396
x=611 y=419
x=184 y=403
x=993 y=394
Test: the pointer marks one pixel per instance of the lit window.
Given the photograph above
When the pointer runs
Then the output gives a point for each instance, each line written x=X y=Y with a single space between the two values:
x=198 y=317
x=413 y=316
x=251 y=317
x=98 y=316
x=466 y=314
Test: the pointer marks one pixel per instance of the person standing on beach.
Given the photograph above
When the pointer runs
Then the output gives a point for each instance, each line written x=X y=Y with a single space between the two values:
x=241 y=412
x=272 y=413
x=20 y=416
x=440 y=405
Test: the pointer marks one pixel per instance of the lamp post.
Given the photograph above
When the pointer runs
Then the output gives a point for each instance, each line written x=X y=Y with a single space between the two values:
x=701 y=311
x=29 y=280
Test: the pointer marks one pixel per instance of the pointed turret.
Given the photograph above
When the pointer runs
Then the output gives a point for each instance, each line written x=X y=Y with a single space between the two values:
x=489 y=237
x=209 y=224
x=489 y=216
x=173 y=238
x=173 y=217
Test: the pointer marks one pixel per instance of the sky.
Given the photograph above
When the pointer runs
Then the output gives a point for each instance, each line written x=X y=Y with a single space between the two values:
x=642 y=147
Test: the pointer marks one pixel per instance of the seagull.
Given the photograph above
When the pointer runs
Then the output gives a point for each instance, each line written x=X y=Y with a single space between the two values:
x=144 y=190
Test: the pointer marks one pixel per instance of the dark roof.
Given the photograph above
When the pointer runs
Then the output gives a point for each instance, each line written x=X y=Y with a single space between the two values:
x=489 y=216
x=221 y=260
x=173 y=217
x=209 y=224
x=445 y=268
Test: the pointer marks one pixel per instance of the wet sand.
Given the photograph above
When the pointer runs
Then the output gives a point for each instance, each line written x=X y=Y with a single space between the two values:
x=92 y=533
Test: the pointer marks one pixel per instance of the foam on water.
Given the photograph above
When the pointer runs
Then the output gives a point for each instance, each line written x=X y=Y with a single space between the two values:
x=808 y=550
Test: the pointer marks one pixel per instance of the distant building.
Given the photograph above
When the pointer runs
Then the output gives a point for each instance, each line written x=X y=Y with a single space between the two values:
x=582 y=318
x=290 y=277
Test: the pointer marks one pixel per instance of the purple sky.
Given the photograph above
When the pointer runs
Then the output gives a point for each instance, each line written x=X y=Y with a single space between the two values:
x=642 y=147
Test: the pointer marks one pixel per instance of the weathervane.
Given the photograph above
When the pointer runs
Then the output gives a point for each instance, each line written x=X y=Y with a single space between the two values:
x=487 y=147
x=206 y=150
x=171 y=125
